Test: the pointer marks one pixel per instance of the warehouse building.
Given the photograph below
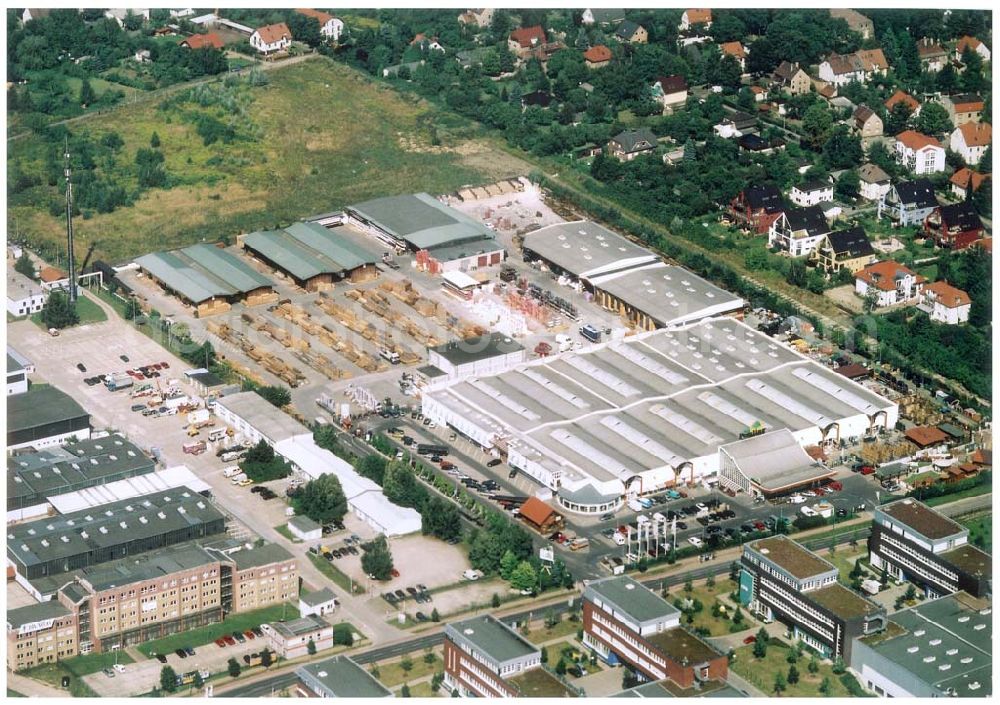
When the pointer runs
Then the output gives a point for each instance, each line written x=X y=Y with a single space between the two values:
x=207 y=278
x=338 y=677
x=911 y=541
x=480 y=355
x=41 y=549
x=632 y=417
x=254 y=418
x=769 y=465
x=421 y=223
x=584 y=250
x=781 y=580
x=18 y=370
x=34 y=476
x=43 y=417
x=313 y=256
x=129 y=488
x=626 y=622
x=940 y=648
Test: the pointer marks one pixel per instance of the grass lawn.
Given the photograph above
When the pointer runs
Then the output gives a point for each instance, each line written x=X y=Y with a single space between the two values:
x=335 y=574
x=717 y=626
x=76 y=668
x=971 y=492
x=563 y=628
x=283 y=530
x=392 y=674
x=88 y=311
x=761 y=672
x=420 y=690
x=844 y=558
x=207 y=634
x=326 y=136
x=980 y=528
x=15 y=694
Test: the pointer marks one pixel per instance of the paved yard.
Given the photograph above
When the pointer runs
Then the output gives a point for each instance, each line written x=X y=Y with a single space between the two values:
x=17 y=596
x=419 y=560
x=601 y=684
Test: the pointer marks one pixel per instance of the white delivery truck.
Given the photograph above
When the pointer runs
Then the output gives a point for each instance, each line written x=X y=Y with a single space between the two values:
x=564 y=343
x=231 y=471
x=198 y=417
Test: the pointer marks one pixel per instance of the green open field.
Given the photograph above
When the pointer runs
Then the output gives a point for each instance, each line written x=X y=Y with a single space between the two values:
x=327 y=137
x=88 y=311
x=980 y=528
x=207 y=634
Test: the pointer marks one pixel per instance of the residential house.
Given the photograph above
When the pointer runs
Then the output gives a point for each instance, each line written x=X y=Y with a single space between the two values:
x=915 y=543
x=909 y=202
x=690 y=18
x=955 y=226
x=855 y=21
x=971 y=140
x=798 y=231
x=963 y=108
x=671 y=92
x=597 y=57
x=866 y=123
x=755 y=208
x=874 y=182
x=426 y=43
x=933 y=56
x=525 y=40
x=841 y=69
x=629 y=144
x=974 y=44
x=891 y=282
x=329 y=26
x=919 y=153
x=945 y=303
x=782 y=580
x=759 y=93
x=201 y=41
x=602 y=16
x=755 y=144
x=118 y=14
x=964 y=179
x=482 y=18
x=844 y=249
x=34 y=14
x=737 y=51
x=631 y=32
x=539 y=99
x=735 y=124
x=271 y=38
x=792 y=78
x=143 y=56
x=901 y=96
x=811 y=193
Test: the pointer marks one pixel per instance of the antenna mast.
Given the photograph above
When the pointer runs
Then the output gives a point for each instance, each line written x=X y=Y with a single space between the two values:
x=69 y=226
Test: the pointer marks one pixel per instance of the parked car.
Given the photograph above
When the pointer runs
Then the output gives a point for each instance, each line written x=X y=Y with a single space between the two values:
x=421 y=617
x=109 y=673
x=239 y=637
x=181 y=653
x=695 y=541
x=493 y=463
x=161 y=658
x=80 y=366
x=249 y=634
x=189 y=651
x=750 y=639
x=258 y=631
x=607 y=517
x=229 y=640
x=400 y=594
x=221 y=643
x=394 y=573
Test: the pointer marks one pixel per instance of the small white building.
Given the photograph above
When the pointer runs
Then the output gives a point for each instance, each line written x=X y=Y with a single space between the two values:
x=974 y=44
x=690 y=18
x=919 y=153
x=18 y=370
x=304 y=528
x=329 y=26
x=271 y=38
x=472 y=357
x=118 y=14
x=24 y=297
x=892 y=282
x=318 y=603
x=945 y=303
x=875 y=183
x=971 y=140
x=291 y=639
x=799 y=231
x=811 y=193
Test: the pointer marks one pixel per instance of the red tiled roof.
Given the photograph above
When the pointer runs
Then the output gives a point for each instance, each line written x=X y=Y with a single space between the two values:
x=968 y=106
x=872 y=59
x=200 y=41
x=882 y=275
x=916 y=141
x=597 y=54
x=986 y=243
x=699 y=15
x=967 y=41
x=928 y=49
x=51 y=274
x=976 y=134
x=321 y=17
x=901 y=96
x=525 y=35
x=274 y=33
x=948 y=295
x=965 y=175
x=536 y=511
x=982 y=457
x=734 y=49
x=925 y=436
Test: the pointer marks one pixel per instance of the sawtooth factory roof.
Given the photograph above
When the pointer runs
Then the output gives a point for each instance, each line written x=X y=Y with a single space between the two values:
x=202 y=272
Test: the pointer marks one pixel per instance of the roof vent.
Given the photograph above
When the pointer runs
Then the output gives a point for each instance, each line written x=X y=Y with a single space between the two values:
x=98 y=446
x=979 y=627
x=321 y=674
x=93 y=461
x=930 y=659
x=31 y=532
x=24 y=547
x=50 y=527
x=123 y=524
x=103 y=529
x=84 y=535
x=181 y=510
x=112 y=457
x=934 y=642
x=143 y=520
x=468 y=631
x=765 y=551
x=109 y=513
x=974 y=686
x=913 y=649
x=89 y=518
x=964 y=618
x=57 y=471
x=45 y=543
x=64 y=539
x=128 y=508
x=161 y=515
x=985 y=611
x=967 y=659
x=951 y=652
x=919 y=632
x=629 y=586
x=70 y=522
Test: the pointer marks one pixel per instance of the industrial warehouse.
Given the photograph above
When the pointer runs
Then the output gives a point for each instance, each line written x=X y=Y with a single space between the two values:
x=419 y=222
x=630 y=417
x=207 y=278
x=314 y=256
x=626 y=278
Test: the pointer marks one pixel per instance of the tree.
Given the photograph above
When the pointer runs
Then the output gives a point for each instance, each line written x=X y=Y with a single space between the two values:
x=132 y=309
x=760 y=645
x=842 y=149
x=343 y=635
x=25 y=266
x=436 y=680
x=796 y=273
x=729 y=72
x=406 y=664
x=278 y=396
x=508 y=562
x=377 y=559
x=545 y=655
x=793 y=675
x=404 y=692
x=234 y=668
x=870 y=299
x=838 y=666
x=524 y=577
x=322 y=500
x=688 y=584
x=629 y=678
x=710 y=582
x=947 y=79
x=780 y=686
x=690 y=152
x=495 y=600
x=435 y=615
x=561 y=667
x=198 y=680
x=311 y=647
x=168 y=679
x=734 y=572
x=58 y=312
x=304 y=29
x=267 y=658
x=86 y=93
x=154 y=141
x=826 y=686
x=933 y=119
x=848 y=185
x=738 y=616
x=373 y=467
x=897 y=118
x=816 y=124
x=813 y=665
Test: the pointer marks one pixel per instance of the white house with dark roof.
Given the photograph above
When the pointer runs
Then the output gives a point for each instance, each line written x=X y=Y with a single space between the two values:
x=811 y=193
x=875 y=182
x=798 y=231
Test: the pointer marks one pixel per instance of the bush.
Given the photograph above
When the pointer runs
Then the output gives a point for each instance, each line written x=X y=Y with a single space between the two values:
x=343 y=635
x=276 y=395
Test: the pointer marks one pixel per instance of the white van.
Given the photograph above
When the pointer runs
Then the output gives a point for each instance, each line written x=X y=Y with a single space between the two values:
x=230 y=471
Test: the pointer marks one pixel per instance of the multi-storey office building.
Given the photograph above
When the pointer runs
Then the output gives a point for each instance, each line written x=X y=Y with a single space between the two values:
x=783 y=581
x=625 y=622
x=266 y=575
x=913 y=542
x=40 y=633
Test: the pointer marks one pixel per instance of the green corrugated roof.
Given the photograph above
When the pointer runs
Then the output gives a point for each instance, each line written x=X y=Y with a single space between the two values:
x=421 y=220
x=35 y=613
x=259 y=555
x=201 y=272
x=307 y=249
x=225 y=266
x=39 y=406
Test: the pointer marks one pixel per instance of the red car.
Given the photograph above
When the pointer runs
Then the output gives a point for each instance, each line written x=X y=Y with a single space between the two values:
x=165 y=366
x=249 y=634
x=230 y=641
x=395 y=573
x=867 y=470
x=221 y=643
x=759 y=525
x=836 y=486
x=818 y=492
x=750 y=639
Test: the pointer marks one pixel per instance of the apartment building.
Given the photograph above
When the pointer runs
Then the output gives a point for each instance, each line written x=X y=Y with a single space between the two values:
x=41 y=633
x=799 y=231
x=781 y=580
x=913 y=542
x=262 y=576
x=625 y=622
x=891 y=282
x=919 y=153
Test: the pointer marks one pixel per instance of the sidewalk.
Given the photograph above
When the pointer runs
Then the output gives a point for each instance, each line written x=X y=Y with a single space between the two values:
x=31 y=688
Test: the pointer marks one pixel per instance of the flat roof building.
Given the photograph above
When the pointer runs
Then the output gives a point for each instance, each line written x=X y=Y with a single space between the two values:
x=940 y=648
x=638 y=415
x=769 y=465
x=254 y=418
x=585 y=250
x=18 y=370
x=24 y=297
x=479 y=355
x=314 y=256
x=291 y=639
x=338 y=677
x=207 y=278
x=913 y=542
x=781 y=580
x=44 y=416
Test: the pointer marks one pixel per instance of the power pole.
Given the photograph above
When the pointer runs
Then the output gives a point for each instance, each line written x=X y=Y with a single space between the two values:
x=69 y=227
